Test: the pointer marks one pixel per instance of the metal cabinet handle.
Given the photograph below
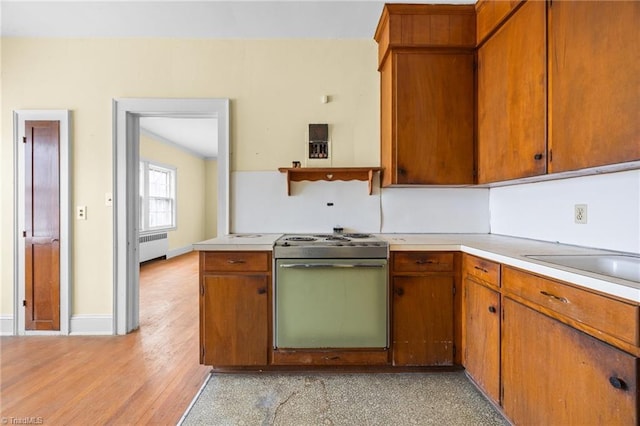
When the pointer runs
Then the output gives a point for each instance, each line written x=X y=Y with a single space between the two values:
x=423 y=261
x=262 y=290
x=617 y=383
x=399 y=291
x=235 y=262
x=553 y=296
x=331 y=265
x=480 y=269
x=537 y=157
x=492 y=309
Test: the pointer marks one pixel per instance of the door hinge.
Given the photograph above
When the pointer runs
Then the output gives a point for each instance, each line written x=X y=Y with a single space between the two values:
x=454 y=290
x=202 y=289
x=550 y=155
x=24 y=234
x=24 y=139
x=202 y=352
x=455 y=350
x=24 y=303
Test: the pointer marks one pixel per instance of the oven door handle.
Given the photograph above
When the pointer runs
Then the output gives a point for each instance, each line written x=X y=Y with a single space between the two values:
x=331 y=265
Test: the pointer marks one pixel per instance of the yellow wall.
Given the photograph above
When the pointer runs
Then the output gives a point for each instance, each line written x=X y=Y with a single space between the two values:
x=190 y=193
x=274 y=86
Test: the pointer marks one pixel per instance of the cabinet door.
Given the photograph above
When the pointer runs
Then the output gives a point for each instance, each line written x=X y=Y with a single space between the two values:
x=234 y=320
x=595 y=83
x=512 y=98
x=423 y=320
x=434 y=107
x=554 y=374
x=482 y=342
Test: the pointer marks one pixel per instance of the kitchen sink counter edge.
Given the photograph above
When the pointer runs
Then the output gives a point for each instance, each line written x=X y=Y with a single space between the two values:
x=513 y=251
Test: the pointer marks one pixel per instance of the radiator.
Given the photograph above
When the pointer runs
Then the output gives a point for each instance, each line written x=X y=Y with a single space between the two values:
x=153 y=246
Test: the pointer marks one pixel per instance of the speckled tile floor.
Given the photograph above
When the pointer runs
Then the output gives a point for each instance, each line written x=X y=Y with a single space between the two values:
x=341 y=399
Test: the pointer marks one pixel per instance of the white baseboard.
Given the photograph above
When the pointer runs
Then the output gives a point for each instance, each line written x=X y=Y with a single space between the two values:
x=91 y=325
x=80 y=325
x=6 y=325
x=179 y=251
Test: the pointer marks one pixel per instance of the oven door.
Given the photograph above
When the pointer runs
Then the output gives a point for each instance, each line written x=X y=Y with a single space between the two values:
x=331 y=303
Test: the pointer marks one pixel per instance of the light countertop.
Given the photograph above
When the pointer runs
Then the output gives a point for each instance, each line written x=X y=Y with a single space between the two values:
x=239 y=242
x=510 y=251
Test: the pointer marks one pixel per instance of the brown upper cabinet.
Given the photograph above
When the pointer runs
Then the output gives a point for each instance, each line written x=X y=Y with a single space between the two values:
x=512 y=96
x=426 y=63
x=594 y=75
x=557 y=89
x=490 y=14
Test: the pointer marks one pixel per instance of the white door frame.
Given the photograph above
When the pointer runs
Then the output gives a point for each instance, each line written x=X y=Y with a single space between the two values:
x=19 y=118
x=126 y=153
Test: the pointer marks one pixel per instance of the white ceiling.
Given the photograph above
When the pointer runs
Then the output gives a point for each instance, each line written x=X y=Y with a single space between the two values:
x=194 y=19
x=196 y=135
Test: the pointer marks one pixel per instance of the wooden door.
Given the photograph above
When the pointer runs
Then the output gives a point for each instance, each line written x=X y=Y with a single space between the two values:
x=42 y=225
x=434 y=107
x=594 y=67
x=482 y=342
x=512 y=90
x=423 y=320
x=554 y=374
x=234 y=320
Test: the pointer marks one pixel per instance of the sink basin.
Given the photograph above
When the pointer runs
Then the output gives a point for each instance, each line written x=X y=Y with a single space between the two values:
x=613 y=265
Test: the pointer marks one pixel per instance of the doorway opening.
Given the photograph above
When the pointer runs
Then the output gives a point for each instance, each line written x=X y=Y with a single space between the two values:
x=127 y=117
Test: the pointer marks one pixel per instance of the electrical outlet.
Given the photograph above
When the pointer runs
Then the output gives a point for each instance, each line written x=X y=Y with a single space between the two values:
x=81 y=212
x=580 y=213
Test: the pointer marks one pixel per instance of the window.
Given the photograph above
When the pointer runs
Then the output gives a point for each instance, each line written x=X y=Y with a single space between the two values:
x=157 y=196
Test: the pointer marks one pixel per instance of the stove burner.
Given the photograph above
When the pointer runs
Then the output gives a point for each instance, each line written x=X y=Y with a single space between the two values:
x=335 y=238
x=300 y=239
x=357 y=236
x=330 y=246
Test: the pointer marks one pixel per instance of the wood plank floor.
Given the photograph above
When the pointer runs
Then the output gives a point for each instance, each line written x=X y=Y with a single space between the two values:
x=147 y=377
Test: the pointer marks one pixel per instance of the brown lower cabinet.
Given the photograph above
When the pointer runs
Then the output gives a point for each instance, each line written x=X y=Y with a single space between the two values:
x=482 y=344
x=235 y=320
x=423 y=321
x=528 y=340
x=423 y=308
x=234 y=308
x=553 y=374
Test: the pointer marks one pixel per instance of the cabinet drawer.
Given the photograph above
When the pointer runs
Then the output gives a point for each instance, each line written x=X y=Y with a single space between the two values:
x=421 y=261
x=235 y=261
x=482 y=269
x=613 y=317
